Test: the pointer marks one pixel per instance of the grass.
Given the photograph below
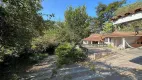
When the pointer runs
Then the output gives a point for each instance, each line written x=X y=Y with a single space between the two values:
x=129 y=8
x=110 y=46
x=92 y=67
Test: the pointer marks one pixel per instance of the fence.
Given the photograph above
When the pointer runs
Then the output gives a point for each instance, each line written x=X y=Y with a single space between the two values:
x=94 y=45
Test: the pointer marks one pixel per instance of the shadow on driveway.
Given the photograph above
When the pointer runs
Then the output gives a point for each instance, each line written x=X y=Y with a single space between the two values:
x=137 y=60
x=92 y=51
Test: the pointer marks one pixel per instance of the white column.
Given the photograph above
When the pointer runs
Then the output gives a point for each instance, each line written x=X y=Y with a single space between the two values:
x=87 y=42
x=98 y=42
x=91 y=42
x=123 y=43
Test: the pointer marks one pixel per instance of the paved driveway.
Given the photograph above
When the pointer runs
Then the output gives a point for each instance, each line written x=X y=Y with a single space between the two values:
x=129 y=58
x=80 y=71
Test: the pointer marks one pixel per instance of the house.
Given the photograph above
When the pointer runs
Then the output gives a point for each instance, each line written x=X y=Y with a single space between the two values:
x=118 y=38
x=128 y=13
x=128 y=17
x=94 y=39
x=123 y=39
x=131 y=16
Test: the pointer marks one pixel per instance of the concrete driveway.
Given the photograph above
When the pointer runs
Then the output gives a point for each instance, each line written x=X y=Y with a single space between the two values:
x=84 y=71
x=128 y=58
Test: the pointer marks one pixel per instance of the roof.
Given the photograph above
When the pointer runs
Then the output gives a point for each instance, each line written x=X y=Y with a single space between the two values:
x=123 y=34
x=127 y=10
x=94 y=37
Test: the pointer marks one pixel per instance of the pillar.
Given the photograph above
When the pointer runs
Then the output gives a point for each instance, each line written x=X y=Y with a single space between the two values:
x=98 y=42
x=91 y=42
x=87 y=42
x=123 y=43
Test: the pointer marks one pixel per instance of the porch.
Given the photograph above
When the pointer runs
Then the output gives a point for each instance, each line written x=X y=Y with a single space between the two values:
x=124 y=40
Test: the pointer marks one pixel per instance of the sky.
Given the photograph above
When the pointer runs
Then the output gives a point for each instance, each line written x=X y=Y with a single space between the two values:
x=58 y=7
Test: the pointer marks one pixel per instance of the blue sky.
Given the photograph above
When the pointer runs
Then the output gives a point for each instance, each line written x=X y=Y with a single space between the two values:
x=58 y=7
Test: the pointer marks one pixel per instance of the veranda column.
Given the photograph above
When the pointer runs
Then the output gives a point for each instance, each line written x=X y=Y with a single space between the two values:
x=87 y=42
x=123 y=43
x=91 y=42
x=98 y=42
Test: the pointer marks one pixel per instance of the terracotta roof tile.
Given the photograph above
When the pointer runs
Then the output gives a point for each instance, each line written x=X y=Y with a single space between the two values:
x=94 y=37
x=123 y=34
x=126 y=14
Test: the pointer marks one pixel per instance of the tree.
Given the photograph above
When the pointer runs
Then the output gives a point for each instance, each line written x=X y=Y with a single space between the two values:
x=76 y=20
x=106 y=12
x=20 y=21
x=100 y=13
x=108 y=27
x=95 y=25
x=111 y=8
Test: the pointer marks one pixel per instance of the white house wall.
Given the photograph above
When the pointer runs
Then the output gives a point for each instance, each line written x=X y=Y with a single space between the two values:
x=131 y=40
x=128 y=18
x=109 y=41
x=117 y=41
x=85 y=42
x=106 y=41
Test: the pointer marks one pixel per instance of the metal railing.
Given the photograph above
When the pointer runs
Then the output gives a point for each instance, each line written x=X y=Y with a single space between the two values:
x=94 y=45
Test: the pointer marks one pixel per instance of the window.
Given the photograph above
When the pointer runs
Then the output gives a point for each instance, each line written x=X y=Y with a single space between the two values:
x=106 y=39
x=110 y=39
x=95 y=42
x=139 y=42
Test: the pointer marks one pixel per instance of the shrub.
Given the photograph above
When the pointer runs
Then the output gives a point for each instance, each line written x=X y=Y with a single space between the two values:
x=14 y=77
x=65 y=54
x=110 y=46
x=32 y=57
x=92 y=67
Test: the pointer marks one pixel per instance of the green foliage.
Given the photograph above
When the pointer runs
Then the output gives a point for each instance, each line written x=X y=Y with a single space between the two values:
x=49 y=38
x=20 y=21
x=100 y=8
x=92 y=67
x=66 y=55
x=76 y=21
x=94 y=25
x=108 y=27
x=105 y=12
x=14 y=77
x=32 y=57
x=12 y=64
x=130 y=26
x=110 y=46
x=129 y=8
x=38 y=56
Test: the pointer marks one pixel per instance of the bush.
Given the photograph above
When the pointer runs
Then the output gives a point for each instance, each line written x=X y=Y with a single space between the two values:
x=110 y=46
x=32 y=58
x=65 y=54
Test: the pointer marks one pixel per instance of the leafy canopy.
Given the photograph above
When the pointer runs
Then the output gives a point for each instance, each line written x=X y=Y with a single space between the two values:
x=129 y=8
x=108 y=27
x=19 y=22
x=106 y=12
x=76 y=21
